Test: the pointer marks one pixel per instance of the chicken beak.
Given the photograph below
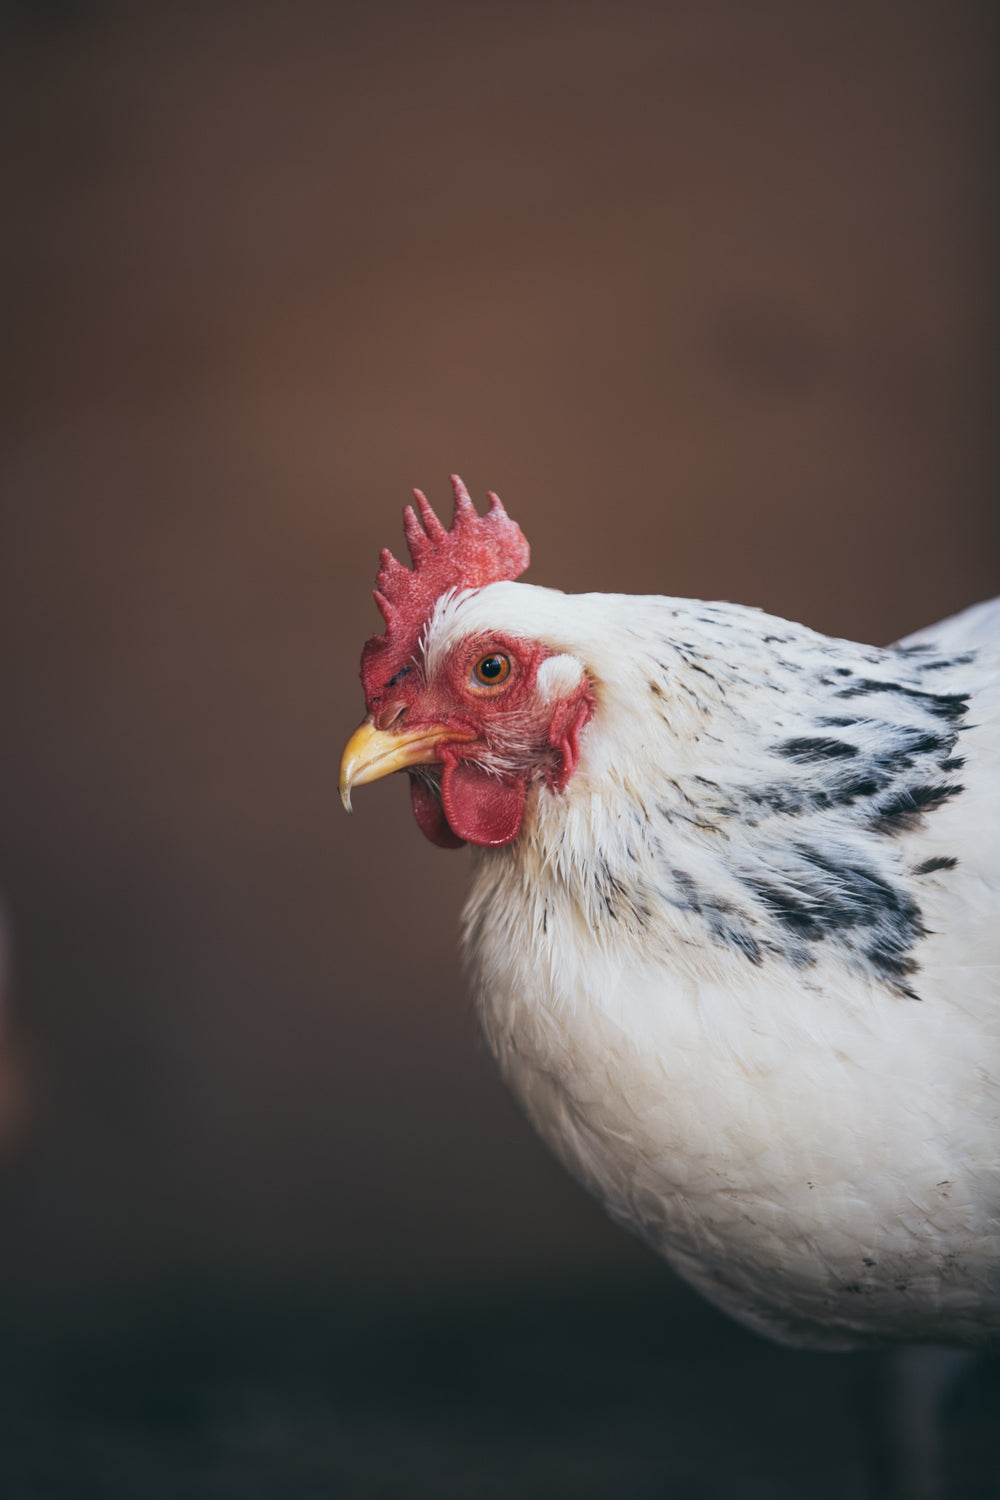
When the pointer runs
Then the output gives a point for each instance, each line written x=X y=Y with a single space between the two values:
x=372 y=753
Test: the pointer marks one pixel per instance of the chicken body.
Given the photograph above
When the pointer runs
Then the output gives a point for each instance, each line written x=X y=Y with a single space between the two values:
x=734 y=929
x=742 y=974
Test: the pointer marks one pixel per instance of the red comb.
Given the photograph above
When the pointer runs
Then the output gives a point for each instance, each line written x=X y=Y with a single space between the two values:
x=475 y=551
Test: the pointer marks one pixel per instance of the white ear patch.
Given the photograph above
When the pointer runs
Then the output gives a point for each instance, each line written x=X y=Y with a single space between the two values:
x=558 y=676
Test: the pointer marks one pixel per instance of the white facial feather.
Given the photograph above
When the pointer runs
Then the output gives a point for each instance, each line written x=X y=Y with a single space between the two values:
x=558 y=677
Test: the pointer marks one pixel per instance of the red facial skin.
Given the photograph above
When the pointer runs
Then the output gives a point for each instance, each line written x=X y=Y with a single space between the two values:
x=480 y=795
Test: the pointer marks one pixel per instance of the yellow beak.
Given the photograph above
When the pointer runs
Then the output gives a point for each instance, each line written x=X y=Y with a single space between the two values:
x=372 y=753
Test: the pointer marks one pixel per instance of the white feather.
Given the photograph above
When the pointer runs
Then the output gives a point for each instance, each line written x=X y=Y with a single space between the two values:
x=807 y=1128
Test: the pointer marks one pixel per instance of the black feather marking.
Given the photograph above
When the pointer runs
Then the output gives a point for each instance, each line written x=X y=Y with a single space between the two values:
x=954 y=661
x=864 y=895
x=689 y=891
x=794 y=801
x=806 y=749
x=911 y=743
x=929 y=742
x=606 y=884
x=950 y=706
x=865 y=685
x=829 y=899
x=904 y=810
x=819 y=878
x=850 y=791
x=895 y=967
x=726 y=926
x=938 y=862
x=744 y=942
x=788 y=909
x=786 y=800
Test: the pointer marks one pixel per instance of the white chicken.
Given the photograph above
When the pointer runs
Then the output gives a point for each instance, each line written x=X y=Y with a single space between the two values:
x=733 y=934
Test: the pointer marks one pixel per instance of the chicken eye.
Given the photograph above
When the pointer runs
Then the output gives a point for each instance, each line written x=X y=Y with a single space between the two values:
x=491 y=670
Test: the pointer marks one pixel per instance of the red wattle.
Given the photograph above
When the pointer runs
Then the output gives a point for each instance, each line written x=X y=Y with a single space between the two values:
x=430 y=816
x=480 y=808
x=568 y=723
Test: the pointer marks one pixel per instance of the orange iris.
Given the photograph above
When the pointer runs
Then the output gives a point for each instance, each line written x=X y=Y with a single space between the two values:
x=491 y=670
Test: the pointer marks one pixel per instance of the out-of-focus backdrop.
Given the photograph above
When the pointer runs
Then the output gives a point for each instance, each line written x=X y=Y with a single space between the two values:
x=706 y=292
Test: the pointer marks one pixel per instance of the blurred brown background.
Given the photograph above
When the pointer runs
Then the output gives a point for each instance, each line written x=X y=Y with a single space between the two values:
x=705 y=291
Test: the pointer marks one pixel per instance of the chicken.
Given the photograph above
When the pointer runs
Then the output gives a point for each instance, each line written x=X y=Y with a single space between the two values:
x=734 y=931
